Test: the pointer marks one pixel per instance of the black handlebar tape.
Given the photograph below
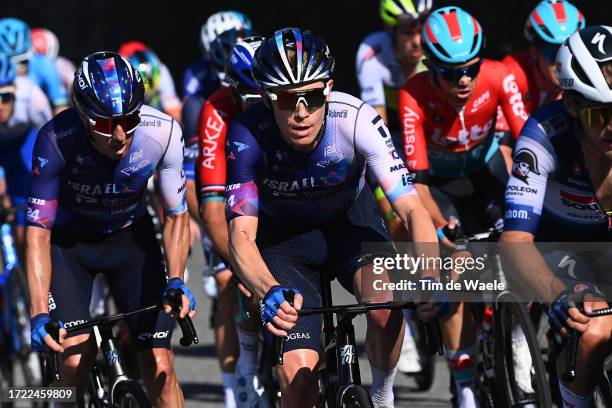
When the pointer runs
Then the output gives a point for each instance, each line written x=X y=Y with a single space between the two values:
x=52 y=327
x=186 y=324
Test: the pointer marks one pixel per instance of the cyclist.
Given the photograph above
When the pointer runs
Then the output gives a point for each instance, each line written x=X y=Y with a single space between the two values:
x=297 y=204
x=159 y=85
x=15 y=41
x=218 y=112
x=87 y=215
x=385 y=59
x=560 y=190
x=24 y=109
x=448 y=119
x=45 y=43
x=549 y=24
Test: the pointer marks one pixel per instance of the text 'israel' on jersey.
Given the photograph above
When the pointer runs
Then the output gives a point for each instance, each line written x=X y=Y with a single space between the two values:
x=266 y=174
x=447 y=142
x=217 y=113
x=549 y=193
x=74 y=186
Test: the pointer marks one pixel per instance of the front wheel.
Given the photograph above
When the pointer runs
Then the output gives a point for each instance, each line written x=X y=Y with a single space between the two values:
x=356 y=397
x=129 y=394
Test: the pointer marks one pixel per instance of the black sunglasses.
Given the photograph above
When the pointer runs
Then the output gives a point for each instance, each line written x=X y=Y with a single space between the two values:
x=288 y=101
x=549 y=52
x=455 y=74
x=7 y=97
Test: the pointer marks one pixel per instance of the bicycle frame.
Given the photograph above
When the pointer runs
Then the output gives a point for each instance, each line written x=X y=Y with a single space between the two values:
x=10 y=263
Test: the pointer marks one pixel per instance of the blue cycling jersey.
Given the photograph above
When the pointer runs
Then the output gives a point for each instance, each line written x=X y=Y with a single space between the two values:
x=265 y=174
x=200 y=79
x=549 y=193
x=44 y=73
x=74 y=186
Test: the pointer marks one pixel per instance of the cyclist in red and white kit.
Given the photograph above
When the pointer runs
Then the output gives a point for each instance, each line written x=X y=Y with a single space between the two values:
x=549 y=24
x=222 y=106
x=448 y=119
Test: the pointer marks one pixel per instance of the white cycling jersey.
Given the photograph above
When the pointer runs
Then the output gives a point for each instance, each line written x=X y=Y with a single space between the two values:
x=31 y=104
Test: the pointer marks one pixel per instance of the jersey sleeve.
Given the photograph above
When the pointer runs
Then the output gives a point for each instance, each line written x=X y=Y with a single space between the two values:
x=373 y=142
x=50 y=81
x=510 y=99
x=534 y=163
x=190 y=113
x=211 y=166
x=171 y=175
x=411 y=117
x=39 y=109
x=370 y=75
x=243 y=160
x=167 y=91
x=45 y=180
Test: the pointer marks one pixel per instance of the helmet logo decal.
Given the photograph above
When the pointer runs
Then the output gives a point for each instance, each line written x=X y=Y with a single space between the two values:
x=599 y=39
x=559 y=10
x=452 y=21
x=113 y=86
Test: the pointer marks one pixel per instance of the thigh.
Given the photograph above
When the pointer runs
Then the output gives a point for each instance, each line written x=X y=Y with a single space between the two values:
x=296 y=263
x=71 y=286
x=137 y=279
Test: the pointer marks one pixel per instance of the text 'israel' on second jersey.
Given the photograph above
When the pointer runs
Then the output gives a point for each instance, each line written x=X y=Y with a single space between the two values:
x=535 y=89
x=549 y=193
x=217 y=113
x=379 y=74
x=74 y=186
x=447 y=142
x=265 y=174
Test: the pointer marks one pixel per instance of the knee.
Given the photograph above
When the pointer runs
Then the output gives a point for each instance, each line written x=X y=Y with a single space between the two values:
x=385 y=320
x=158 y=369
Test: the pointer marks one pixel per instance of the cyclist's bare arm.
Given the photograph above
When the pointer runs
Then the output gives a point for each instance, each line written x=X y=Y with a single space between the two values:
x=430 y=204
x=213 y=217
x=382 y=111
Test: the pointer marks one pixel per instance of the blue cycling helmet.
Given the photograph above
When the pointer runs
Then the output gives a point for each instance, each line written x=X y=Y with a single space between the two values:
x=292 y=57
x=553 y=21
x=106 y=85
x=221 y=46
x=238 y=69
x=7 y=71
x=452 y=35
x=15 y=39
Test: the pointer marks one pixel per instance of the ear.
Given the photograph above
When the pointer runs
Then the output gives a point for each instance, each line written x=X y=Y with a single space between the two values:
x=533 y=52
x=328 y=88
x=264 y=98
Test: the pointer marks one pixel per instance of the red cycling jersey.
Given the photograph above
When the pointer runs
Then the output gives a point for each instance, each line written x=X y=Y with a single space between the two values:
x=217 y=113
x=536 y=90
x=446 y=142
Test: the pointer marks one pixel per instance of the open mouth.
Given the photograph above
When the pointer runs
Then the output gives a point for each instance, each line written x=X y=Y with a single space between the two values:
x=300 y=130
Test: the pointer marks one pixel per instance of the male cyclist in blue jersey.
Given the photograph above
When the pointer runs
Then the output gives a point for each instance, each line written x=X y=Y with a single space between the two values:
x=24 y=109
x=15 y=41
x=87 y=215
x=297 y=205
x=560 y=190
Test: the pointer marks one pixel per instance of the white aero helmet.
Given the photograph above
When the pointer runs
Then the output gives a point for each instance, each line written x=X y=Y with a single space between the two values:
x=219 y=23
x=579 y=63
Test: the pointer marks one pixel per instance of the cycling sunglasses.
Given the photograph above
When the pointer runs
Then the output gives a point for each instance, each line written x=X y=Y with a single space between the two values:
x=596 y=116
x=455 y=74
x=105 y=126
x=7 y=97
x=288 y=101
x=549 y=52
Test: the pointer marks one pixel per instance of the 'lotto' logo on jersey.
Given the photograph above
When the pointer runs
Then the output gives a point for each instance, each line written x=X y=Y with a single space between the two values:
x=516 y=99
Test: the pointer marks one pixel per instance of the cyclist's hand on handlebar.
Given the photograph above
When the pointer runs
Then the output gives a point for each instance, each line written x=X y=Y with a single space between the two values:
x=436 y=306
x=564 y=312
x=188 y=302
x=279 y=312
x=40 y=338
x=447 y=233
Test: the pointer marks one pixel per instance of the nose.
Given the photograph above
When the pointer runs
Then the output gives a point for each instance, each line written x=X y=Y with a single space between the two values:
x=416 y=40
x=465 y=81
x=119 y=134
x=301 y=112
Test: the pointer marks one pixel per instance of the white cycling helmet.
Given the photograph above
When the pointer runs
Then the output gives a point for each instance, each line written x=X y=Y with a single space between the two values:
x=219 y=23
x=579 y=63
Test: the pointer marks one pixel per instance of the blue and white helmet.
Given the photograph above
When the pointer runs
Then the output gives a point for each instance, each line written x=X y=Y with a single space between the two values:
x=15 y=39
x=292 y=57
x=7 y=71
x=238 y=70
x=107 y=85
x=219 y=23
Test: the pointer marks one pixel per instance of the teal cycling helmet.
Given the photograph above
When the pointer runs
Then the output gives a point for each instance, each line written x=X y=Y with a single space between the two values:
x=452 y=35
x=15 y=39
x=7 y=71
x=553 y=21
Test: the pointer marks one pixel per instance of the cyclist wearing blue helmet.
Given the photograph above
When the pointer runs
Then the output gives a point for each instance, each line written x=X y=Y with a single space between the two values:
x=549 y=24
x=90 y=168
x=24 y=108
x=297 y=203
x=15 y=41
x=448 y=116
